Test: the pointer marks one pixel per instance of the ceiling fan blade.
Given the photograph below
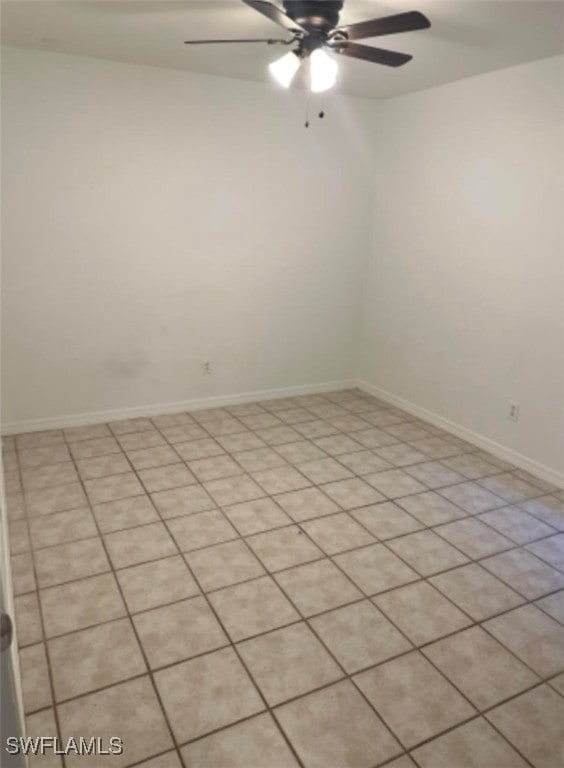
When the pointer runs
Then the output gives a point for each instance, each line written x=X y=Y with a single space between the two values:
x=376 y=55
x=274 y=14
x=268 y=40
x=388 y=25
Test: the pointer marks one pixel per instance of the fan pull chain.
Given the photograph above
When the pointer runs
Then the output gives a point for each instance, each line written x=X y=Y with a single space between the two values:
x=321 y=113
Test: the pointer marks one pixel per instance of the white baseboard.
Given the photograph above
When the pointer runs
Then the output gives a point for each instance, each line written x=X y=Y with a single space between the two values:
x=480 y=441
x=198 y=404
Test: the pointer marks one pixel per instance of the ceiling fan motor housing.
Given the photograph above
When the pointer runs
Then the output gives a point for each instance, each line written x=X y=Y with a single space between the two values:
x=315 y=16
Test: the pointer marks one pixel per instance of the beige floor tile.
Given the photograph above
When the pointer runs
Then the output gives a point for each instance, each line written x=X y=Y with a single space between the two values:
x=280 y=480
x=36 y=457
x=201 y=530
x=337 y=445
x=472 y=745
x=125 y=513
x=139 y=545
x=59 y=498
x=288 y=662
x=335 y=727
x=534 y=723
x=471 y=466
x=407 y=431
x=474 y=538
x=549 y=509
x=517 y=525
x=317 y=587
x=472 y=498
x=300 y=452
x=103 y=466
x=256 y=516
x=394 y=483
x=165 y=478
x=12 y=482
x=349 y=423
x=374 y=438
x=129 y=426
x=511 y=488
x=324 y=471
x=553 y=605
x=353 y=493
x=242 y=746
x=386 y=520
x=401 y=455
x=62 y=527
x=375 y=569
x=295 y=415
x=49 y=475
x=431 y=509
x=27 y=619
x=166 y=420
x=90 y=449
x=156 y=583
x=543 y=485
x=113 y=488
x=149 y=438
x=364 y=462
x=43 y=724
x=525 y=573
x=146 y=458
x=15 y=506
x=179 y=631
x=214 y=468
x=108 y=713
x=427 y=553
x=241 y=441
x=68 y=562
x=182 y=501
x=476 y=591
x=259 y=459
x=337 y=533
x=436 y=447
x=89 y=432
x=480 y=667
x=233 y=490
x=533 y=636
x=167 y=760
x=558 y=683
x=40 y=439
x=421 y=612
x=23 y=574
x=260 y=420
x=210 y=414
x=434 y=474
x=207 y=693
x=306 y=504
x=81 y=604
x=315 y=429
x=180 y=433
x=199 y=449
x=402 y=762
x=224 y=565
x=94 y=658
x=413 y=699
x=283 y=548
x=359 y=636
x=36 y=687
x=227 y=426
x=252 y=608
x=19 y=537
x=550 y=550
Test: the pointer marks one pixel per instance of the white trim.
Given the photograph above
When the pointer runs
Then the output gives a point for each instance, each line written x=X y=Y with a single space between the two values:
x=198 y=404
x=501 y=451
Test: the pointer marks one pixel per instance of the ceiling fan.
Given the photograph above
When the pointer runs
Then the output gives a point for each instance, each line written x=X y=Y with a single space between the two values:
x=314 y=26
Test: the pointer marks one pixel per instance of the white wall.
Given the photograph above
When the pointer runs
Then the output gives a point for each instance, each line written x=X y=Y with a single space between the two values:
x=465 y=297
x=154 y=219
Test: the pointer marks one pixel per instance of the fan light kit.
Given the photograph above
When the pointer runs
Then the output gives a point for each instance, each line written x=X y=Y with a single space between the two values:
x=314 y=28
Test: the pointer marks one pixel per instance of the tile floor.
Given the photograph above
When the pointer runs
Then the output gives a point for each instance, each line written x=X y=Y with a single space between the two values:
x=320 y=581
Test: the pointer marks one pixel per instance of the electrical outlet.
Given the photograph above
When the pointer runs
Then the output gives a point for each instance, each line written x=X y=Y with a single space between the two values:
x=513 y=411
x=206 y=368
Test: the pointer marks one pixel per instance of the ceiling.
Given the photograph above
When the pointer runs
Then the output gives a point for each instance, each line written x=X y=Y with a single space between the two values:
x=465 y=39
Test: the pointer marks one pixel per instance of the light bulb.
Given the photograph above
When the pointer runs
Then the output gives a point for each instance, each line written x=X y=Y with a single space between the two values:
x=323 y=71
x=284 y=69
